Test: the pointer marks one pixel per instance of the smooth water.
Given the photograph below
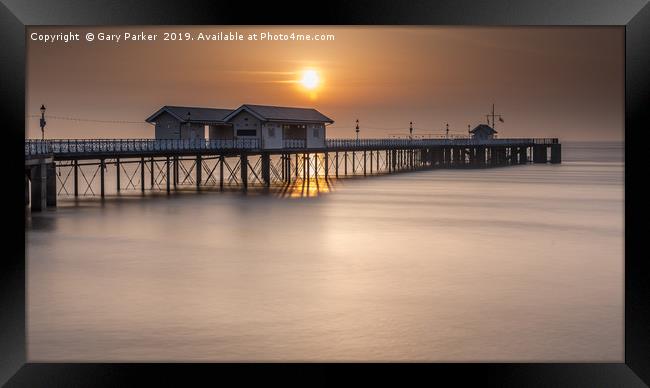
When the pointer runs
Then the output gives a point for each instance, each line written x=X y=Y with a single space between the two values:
x=517 y=263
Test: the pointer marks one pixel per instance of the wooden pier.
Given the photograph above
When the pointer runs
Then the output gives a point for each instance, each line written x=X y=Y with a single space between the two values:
x=73 y=168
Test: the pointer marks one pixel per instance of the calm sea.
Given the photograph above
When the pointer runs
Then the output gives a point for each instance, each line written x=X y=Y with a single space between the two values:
x=508 y=264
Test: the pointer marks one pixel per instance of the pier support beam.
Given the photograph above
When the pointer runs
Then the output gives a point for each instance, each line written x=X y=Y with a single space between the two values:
x=102 y=167
x=76 y=177
x=151 y=172
x=539 y=153
x=199 y=171
x=364 y=163
x=458 y=155
x=51 y=185
x=26 y=190
x=38 y=178
x=556 y=153
x=221 y=160
x=266 y=169
x=117 y=173
x=327 y=165
x=502 y=156
x=480 y=156
x=167 y=183
x=142 y=174
x=523 y=155
x=287 y=168
x=336 y=164
x=175 y=171
x=243 y=162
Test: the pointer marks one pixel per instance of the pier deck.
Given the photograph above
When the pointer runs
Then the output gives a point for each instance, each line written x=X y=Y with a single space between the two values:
x=51 y=166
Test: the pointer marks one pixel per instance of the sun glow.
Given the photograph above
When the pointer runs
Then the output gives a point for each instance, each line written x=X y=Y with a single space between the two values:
x=310 y=79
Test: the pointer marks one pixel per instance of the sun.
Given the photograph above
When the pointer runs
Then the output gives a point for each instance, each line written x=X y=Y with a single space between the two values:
x=310 y=79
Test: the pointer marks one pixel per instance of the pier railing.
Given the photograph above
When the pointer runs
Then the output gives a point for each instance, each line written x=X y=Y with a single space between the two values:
x=82 y=146
x=64 y=146
x=365 y=143
x=294 y=143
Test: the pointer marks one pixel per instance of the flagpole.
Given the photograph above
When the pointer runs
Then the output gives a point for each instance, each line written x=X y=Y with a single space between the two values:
x=493 y=123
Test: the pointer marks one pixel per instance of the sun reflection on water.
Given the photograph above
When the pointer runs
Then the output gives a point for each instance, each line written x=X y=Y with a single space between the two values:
x=311 y=187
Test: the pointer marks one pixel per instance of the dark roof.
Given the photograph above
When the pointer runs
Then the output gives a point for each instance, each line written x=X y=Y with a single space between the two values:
x=199 y=115
x=283 y=113
x=483 y=127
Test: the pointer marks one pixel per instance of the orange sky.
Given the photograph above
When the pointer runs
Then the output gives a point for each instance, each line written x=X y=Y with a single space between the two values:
x=546 y=81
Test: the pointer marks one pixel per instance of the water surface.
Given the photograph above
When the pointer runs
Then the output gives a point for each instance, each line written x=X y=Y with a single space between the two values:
x=518 y=263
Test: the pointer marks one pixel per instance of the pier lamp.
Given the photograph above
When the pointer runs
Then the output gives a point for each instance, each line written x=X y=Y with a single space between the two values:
x=357 y=130
x=43 y=122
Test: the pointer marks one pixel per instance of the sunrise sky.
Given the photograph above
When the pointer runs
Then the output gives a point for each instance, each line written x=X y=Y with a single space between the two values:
x=546 y=81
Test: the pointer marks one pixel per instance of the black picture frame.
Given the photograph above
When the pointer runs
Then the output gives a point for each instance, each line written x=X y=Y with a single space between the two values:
x=634 y=16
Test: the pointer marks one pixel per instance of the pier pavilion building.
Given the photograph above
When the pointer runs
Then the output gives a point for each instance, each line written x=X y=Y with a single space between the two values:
x=273 y=127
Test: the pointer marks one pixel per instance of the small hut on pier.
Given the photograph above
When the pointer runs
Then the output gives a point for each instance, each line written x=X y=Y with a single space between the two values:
x=483 y=132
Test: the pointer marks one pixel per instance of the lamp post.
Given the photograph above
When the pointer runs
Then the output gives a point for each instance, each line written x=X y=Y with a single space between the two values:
x=42 y=122
x=357 y=130
x=411 y=130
